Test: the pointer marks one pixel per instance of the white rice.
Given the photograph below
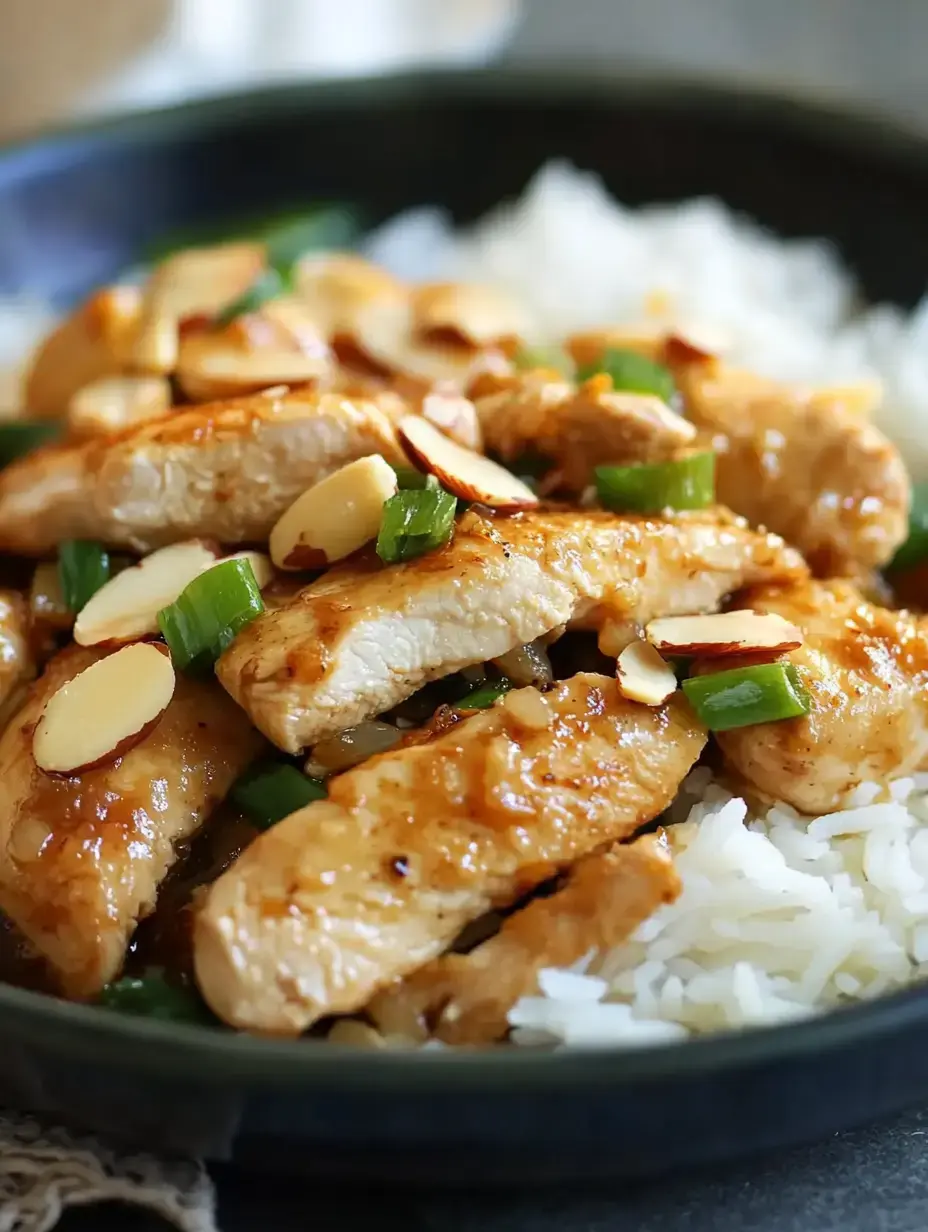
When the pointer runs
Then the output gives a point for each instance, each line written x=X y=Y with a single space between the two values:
x=780 y=916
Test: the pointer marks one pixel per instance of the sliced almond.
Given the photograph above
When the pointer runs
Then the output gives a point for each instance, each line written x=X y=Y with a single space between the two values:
x=334 y=518
x=335 y=287
x=261 y=566
x=454 y=415
x=643 y=676
x=104 y=711
x=116 y=402
x=695 y=343
x=470 y=313
x=126 y=607
x=739 y=632
x=467 y=474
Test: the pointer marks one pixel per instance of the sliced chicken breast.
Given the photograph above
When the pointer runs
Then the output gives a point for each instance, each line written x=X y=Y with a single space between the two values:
x=576 y=428
x=226 y=471
x=866 y=671
x=464 y=998
x=364 y=637
x=81 y=858
x=351 y=893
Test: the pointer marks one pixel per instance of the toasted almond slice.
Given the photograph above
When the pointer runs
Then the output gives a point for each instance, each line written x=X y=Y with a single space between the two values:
x=480 y=315
x=104 y=711
x=454 y=415
x=643 y=676
x=467 y=474
x=261 y=566
x=335 y=517
x=115 y=402
x=127 y=606
x=336 y=286
x=739 y=632
x=688 y=343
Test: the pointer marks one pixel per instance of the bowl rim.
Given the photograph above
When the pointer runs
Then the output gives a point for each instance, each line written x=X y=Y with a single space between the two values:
x=210 y=1055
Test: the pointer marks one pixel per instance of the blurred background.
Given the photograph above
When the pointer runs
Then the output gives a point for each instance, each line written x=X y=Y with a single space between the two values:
x=62 y=59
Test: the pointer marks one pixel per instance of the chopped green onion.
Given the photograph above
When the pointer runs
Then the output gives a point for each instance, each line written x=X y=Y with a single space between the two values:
x=21 y=436
x=915 y=548
x=683 y=483
x=270 y=791
x=632 y=372
x=743 y=696
x=83 y=567
x=544 y=357
x=267 y=286
x=415 y=522
x=209 y=612
x=151 y=996
x=410 y=480
x=326 y=227
x=484 y=695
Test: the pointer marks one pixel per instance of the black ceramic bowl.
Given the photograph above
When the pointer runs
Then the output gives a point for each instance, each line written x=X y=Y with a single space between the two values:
x=76 y=208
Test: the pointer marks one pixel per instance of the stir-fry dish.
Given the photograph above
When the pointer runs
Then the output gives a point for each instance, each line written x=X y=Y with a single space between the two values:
x=361 y=656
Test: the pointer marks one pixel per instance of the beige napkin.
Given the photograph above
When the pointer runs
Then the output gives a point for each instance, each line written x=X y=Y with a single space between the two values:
x=44 y=1169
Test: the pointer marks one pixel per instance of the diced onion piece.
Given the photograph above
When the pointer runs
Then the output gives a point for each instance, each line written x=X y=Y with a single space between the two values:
x=115 y=402
x=615 y=634
x=104 y=711
x=485 y=695
x=745 y=696
x=528 y=664
x=209 y=612
x=83 y=567
x=529 y=708
x=261 y=566
x=725 y=633
x=126 y=608
x=631 y=371
x=455 y=416
x=415 y=522
x=46 y=600
x=352 y=746
x=683 y=483
x=643 y=676
x=335 y=517
x=269 y=792
x=350 y=1033
x=468 y=475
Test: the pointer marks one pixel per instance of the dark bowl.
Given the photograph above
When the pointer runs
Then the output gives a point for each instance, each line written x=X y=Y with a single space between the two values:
x=77 y=207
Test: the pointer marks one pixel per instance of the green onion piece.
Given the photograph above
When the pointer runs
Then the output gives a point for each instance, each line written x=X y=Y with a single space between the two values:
x=915 y=548
x=743 y=696
x=209 y=612
x=151 y=996
x=269 y=792
x=22 y=436
x=683 y=483
x=484 y=695
x=83 y=567
x=410 y=480
x=329 y=226
x=415 y=522
x=632 y=372
x=267 y=286
x=544 y=357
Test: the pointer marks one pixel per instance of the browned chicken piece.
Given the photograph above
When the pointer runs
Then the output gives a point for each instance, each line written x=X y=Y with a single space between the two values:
x=464 y=998
x=17 y=665
x=82 y=857
x=364 y=637
x=226 y=471
x=92 y=343
x=576 y=428
x=351 y=893
x=866 y=671
x=804 y=463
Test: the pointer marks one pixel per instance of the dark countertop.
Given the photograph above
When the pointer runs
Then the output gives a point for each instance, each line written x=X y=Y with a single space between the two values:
x=870 y=1180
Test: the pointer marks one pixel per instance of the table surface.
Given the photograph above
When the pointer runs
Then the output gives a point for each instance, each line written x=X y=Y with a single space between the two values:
x=870 y=1180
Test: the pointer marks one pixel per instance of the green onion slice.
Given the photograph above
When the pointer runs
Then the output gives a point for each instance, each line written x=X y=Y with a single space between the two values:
x=267 y=286
x=544 y=357
x=414 y=523
x=209 y=612
x=269 y=792
x=484 y=695
x=683 y=483
x=151 y=996
x=743 y=696
x=915 y=548
x=22 y=436
x=326 y=227
x=408 y=479
x=83 y=567
x=631 y=372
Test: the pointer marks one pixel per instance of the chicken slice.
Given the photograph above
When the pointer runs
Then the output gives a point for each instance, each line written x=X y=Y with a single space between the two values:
x=351 y=893
x=17 y=663
x=464 y=998
x=364 y=637
x=576 y=428
x=866 y=671
x=803 y=463
x=82 y=857
x=226 y=471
